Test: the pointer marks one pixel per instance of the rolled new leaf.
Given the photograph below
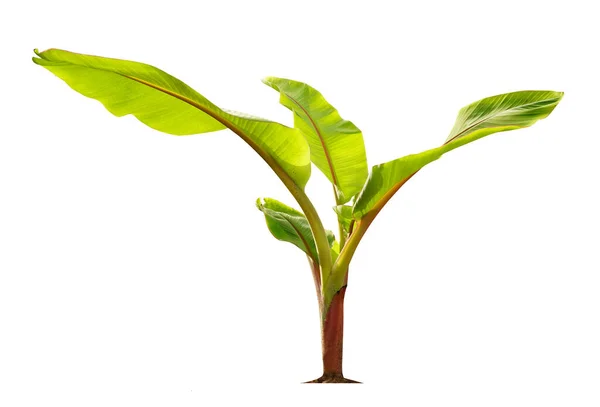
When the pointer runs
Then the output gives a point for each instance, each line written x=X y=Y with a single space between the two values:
x=345 y=219
x=165 y=103
x=289 y=225
x=336 y=145
x=494 y=114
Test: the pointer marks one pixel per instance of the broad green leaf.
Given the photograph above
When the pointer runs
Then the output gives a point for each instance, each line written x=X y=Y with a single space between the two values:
x=509 y=111
x=164 y=103
x=289 y=225
x=490 y=115
x=336 y=145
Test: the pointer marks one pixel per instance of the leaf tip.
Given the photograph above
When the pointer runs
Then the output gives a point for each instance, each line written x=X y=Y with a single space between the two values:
x=269 y=81
x=38 y=54
x=260 y=203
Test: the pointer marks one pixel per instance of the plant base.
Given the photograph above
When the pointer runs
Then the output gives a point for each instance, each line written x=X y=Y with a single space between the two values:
x=332 y=378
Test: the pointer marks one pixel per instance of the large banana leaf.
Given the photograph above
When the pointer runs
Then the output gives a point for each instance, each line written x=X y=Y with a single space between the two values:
x=336 y=145
x=490 y=115
x=289 y=225
x=166 y=104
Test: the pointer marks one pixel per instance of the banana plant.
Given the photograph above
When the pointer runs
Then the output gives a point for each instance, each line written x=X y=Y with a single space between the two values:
x=319 y=136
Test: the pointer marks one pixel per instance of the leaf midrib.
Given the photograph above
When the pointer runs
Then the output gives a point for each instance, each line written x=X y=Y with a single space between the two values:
x=270 y=160
x=198 y=106
x=321 y=139
x=189 y=101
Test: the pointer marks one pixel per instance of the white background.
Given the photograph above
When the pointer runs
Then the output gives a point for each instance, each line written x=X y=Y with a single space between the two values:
x=135 y=269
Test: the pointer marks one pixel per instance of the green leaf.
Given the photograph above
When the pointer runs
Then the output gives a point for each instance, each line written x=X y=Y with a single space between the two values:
x=335 y=250
x=289 y=225
x=509 y=111
x=490 y=115
x=336 y=145
x=344 y=214
x=166 y=104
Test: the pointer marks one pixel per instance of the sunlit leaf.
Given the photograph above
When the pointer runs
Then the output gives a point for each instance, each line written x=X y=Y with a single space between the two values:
x=289 y=225
x=490 y=115
x=166 y=104
x=336 y=145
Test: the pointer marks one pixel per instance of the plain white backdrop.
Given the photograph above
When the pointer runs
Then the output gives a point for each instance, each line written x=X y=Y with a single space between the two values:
x=135 y=269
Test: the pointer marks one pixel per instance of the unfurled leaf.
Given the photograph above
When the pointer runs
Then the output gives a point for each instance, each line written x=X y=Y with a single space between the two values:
x=166 y=104
x=289 y=225
x=336 y=145
x=504 y=112
x=490 y=115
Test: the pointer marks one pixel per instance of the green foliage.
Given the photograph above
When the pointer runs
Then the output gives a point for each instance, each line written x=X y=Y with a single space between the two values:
x=494 y=114
x=289 y=225
x=167 y=104
x=345 y=219
x=336 y=145
x=319 y=135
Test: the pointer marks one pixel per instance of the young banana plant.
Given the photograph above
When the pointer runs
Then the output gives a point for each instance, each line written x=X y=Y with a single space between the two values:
x=319 y=135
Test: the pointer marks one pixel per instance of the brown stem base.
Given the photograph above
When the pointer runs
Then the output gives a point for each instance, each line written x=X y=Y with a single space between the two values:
x=332 y=378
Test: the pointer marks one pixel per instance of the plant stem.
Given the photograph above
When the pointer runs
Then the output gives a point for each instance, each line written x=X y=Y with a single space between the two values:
x=316 y=225
x=360 y=228
x=332 y=341
x=316 y=272
x=346 y=254
x=342 y=235
x=332 y=335
x=297 y=192
x=340 y=226
x=317 y=228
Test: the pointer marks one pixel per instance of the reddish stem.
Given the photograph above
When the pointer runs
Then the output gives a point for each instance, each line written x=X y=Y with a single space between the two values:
x=332 y=335
x=332 y=341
